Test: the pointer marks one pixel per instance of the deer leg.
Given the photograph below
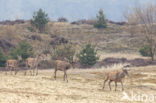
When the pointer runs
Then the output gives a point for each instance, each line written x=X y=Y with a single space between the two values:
x=36 y=70
x=25 y=73
x=104 y=83
x=66 y=76
x=110 y=85
x=27 y=67
x=115 y=85
x=30 y=71
x=33 y=73
x=11 y=70
x=6 y=71
x=122 y=86
x=15 y=69
x=55 y=74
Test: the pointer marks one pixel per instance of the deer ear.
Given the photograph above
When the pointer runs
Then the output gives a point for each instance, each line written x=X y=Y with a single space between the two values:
x=126 y=68
x=19 y=57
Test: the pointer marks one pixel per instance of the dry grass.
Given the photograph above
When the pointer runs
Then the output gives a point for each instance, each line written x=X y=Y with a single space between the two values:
x=112 y=39
x=84 y=86
x=129 y=56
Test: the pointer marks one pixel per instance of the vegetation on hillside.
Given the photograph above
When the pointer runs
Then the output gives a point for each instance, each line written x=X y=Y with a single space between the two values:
x=62 y=19
x=2 y=58
x=145 y=16
x=101 y=21
x=39 y=20
x=64 y=52
x=88 y=55
x=145 y=51
x=24 y=50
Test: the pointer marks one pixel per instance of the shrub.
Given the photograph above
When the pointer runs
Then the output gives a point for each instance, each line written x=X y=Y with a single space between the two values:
x=25 y=50
x=39 y=21
x=13 y=54
x=84 y=21
x=101 y=21
x=2 y=59
x=36 y=37
x=145 y=51
x=88 y=55
x=31 y=29
x=64 y=52
x=62 y=19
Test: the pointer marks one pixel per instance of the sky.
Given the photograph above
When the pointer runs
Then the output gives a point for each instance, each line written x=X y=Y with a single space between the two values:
x=70 y=9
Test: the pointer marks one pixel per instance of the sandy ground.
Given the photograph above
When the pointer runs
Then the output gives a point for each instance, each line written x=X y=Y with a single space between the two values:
x=84 y=86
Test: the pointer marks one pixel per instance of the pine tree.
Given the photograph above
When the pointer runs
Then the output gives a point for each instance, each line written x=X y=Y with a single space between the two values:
x=88 y=56
x=101 y=22
x=40 y=19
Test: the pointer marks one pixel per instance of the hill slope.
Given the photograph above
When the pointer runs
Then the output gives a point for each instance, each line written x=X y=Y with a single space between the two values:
x=114 y=38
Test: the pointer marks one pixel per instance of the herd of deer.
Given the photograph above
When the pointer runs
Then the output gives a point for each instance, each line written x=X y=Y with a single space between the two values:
x=32 y=65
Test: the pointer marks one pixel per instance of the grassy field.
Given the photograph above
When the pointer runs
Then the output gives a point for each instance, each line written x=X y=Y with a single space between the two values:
x=84 y=86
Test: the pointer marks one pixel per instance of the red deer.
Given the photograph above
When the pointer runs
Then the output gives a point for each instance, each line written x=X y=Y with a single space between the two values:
x=32 y=64
x=62 y=66
x=116 y=76
x=11 y=65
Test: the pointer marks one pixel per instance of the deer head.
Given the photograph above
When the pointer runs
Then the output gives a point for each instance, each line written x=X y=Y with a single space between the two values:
x=125 y=69
x=19 y=58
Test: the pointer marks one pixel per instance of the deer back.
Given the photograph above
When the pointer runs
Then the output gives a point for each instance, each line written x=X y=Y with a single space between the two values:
x=61 y=65
x=31 y=61
x=11 y=63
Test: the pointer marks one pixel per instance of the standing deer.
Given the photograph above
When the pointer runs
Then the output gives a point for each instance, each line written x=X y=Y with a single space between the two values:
x=62 y=66
x=11 y=65
x=116 y=76
x=32 y=64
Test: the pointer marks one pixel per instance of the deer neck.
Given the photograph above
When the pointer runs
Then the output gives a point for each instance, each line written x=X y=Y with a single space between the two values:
x=122 y=75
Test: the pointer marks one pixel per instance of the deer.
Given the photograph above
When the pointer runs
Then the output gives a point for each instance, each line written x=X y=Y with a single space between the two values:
x=11 y=65
x=62 y=66
x=32 y=64
x=116 y=76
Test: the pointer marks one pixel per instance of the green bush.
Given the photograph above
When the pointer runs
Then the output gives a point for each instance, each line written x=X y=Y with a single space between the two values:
x=145 y=51
x=62 y=19
x=2 y=59
x=40 y=19
x=64 y=52
x=13 y=54
x=101 y=21
x=31 y=29
x=25 y=50
x=88 y=55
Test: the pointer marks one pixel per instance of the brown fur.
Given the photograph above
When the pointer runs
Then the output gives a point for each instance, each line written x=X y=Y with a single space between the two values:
x=32 y=65
x=11 y=65
x=62 y=66
x=116 y=76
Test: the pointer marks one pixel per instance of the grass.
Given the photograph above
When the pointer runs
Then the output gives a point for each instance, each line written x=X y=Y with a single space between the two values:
x=84 y=86
x=129 y=56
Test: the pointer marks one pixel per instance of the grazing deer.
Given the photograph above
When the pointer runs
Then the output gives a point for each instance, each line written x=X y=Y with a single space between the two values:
x=62 y=66
x=32 y=64
x=116 y=76
x=11 y=65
